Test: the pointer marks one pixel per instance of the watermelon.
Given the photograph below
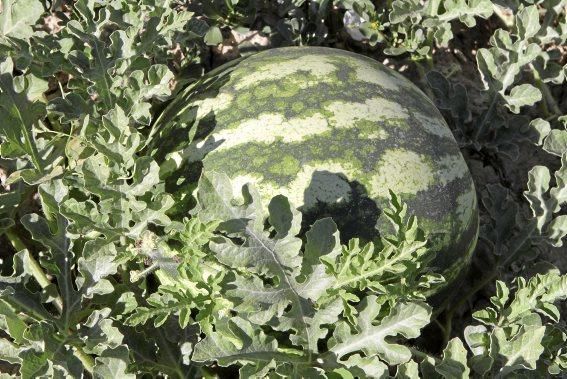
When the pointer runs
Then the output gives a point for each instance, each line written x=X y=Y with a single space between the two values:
x=333 y=131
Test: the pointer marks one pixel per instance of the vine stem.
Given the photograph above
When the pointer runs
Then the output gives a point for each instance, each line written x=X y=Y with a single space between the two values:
x=40 y=276
x=480 y=129
x=434 y=7
x=548 y=100
x=87 y=361
x=171 y=354
x=35 y=267
x=422 y=76
x=421 y=355
x=142 y=274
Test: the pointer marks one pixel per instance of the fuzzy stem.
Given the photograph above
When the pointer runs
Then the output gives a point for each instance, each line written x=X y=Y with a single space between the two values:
x=35 y=268
x=87 y=361
x=40 y=276
x=480 y=129
x=548 y=99
x=434 y=8
x=445 y=329
x=170 y=354
x=421 y=355
x=422 y=73
x=148 y=270
x=15 y=240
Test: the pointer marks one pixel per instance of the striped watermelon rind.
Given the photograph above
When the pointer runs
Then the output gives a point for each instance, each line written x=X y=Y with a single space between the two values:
x=327 y=127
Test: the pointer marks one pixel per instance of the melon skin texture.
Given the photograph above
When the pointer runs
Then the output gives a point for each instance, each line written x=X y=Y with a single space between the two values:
x=333 y=131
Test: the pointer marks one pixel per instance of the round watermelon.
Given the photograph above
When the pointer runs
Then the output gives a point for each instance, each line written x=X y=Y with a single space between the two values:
x=333 y=131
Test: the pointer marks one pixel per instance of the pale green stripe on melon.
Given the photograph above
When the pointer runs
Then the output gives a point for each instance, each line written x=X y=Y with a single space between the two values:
x=275 y=92
x=317 y=65
x=331 y=145
x=327 y=184
x=372 y=73
x=266 y=189
x=451 y=167
x=375 y=109
x=215 y=104
x=247 y=151
x=466 y=205
x=403 y=171
x=268 y=128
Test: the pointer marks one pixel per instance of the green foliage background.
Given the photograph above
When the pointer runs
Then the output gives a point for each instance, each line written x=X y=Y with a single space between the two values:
x=102 y=274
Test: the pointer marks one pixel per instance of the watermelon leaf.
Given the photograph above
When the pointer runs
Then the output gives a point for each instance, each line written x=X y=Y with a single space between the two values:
x=302 y=290
x=236 y=340
x=368 y=266
x=514 y=335
x=454 y=363
x=546 y=201
x=276 y=259
x=423 y=23
x=17 y=19
x=523 y=94
x=18 y=127
x=404 y=319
